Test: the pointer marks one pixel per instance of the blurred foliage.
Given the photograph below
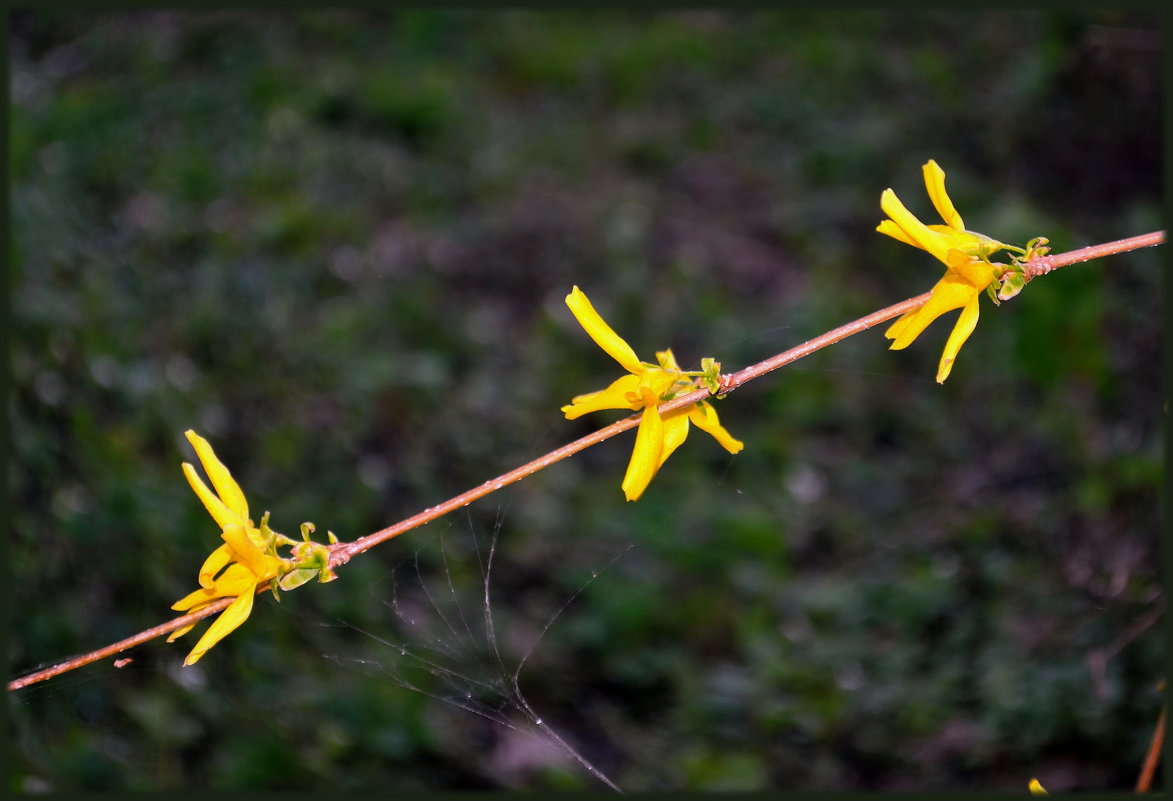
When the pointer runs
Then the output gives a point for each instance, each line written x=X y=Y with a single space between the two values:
x=337 y=243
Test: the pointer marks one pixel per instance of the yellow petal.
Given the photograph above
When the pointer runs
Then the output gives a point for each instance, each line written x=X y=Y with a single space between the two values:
x=915 y=232
x=950 y=293
x=664 y=384
x=935 y=183
x=233 y=581
x=897 y=328
x=244 y=551
x=175 y=635
x=675 y=432
x=978 y=273
x=645 y=456
x=613 y=397
x=216 y=508
x=189 y=602
x=705 y=418
x=214 y=564
x=236 y=613
x=968 y=242
x=896 y=232
x=603 y=335
x=226 y=486
x=965 y=325
x=945 y=238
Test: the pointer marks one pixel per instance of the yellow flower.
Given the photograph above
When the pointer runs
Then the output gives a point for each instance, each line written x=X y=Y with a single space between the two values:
x=964 y=253
x=646 y=386
x=246 y=558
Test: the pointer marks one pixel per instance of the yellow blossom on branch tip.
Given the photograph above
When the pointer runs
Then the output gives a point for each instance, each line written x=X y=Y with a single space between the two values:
x=646 y=386
x=245 y=560
x=965 y=255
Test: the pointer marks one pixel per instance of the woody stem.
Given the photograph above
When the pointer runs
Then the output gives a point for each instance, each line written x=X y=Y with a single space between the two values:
x=341 y=553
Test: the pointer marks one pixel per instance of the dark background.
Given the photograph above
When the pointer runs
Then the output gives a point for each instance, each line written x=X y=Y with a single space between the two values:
x=337 y=244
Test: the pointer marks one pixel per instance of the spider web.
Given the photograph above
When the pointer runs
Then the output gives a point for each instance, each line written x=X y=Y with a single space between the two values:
x=450 y=652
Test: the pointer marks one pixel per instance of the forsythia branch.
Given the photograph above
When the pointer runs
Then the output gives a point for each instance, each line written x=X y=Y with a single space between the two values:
x=340 y=553
x=1144 y=782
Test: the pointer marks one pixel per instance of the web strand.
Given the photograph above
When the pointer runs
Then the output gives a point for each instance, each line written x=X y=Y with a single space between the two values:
x=473 y=673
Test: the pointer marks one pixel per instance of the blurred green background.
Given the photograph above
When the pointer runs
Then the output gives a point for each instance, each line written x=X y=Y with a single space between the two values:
x=337 y=245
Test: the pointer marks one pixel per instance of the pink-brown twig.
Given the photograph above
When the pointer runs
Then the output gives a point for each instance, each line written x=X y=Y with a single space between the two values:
x=341 y=553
